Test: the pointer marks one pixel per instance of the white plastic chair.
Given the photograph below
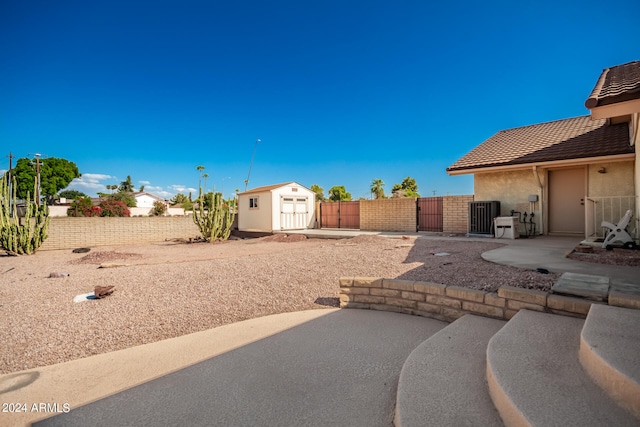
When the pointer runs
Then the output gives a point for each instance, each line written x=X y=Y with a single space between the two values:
x=618 y=232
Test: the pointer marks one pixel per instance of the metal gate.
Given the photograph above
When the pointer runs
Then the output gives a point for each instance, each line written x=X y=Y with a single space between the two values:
x=340 y=215
x=429 y=213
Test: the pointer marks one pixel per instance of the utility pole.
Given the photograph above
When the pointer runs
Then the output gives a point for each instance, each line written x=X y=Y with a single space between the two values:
x=10 y=181
x=38 y=189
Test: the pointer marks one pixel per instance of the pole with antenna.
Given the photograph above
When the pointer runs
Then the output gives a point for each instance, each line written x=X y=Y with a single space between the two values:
x=246 y=181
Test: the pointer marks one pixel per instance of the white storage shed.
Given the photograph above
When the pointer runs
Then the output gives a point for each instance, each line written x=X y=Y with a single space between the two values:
x=289 y=206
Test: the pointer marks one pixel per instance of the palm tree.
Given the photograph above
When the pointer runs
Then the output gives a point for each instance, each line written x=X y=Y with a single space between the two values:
x=126 y=186
x=205 y=176
x=200 y=168
x=377 y=188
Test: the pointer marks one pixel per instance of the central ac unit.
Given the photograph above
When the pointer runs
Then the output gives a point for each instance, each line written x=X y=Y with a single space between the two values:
x=481 y=215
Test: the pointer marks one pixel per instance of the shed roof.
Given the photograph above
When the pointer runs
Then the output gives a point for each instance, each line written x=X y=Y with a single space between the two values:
x=267 y=188
x=616 y=84
x=574 y=138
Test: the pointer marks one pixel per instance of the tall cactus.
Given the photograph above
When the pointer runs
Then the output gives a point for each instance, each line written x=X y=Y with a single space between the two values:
x=19 y=236
x=215 y=223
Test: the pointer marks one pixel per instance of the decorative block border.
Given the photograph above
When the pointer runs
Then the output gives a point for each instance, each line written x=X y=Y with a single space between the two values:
x=449 y=303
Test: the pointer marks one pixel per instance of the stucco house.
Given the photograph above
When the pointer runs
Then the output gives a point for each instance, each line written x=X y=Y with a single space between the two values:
x=572 y=173
x=146 y=200
x=288 y=206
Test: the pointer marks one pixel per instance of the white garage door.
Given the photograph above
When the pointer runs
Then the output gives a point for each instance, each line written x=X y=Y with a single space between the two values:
x=293 y=213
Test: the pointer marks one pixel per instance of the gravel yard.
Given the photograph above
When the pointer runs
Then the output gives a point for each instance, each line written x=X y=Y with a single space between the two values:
x=171 y=289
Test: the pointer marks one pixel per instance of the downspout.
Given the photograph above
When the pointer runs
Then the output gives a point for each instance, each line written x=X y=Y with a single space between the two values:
x=537 y=176
x=634 y=139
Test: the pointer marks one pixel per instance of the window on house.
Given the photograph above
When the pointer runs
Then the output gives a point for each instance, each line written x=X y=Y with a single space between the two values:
x=253 y=203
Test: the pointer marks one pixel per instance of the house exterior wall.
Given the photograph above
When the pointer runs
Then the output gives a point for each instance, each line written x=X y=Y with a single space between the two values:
x=511 y=188
x=617 y=181
x=70 y=232
x=259 y=219
x=395 y=214
x=145 y=201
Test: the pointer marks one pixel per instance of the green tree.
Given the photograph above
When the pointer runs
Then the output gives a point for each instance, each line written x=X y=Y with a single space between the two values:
x=72 y=194
x=377 y=188
x=179 y=199
x=408 y=188
x=338 y=193
x=55 y=174
x=125 y=197
x=183 y=201
x=141 y=189
x=126 y=186
x=319 y=192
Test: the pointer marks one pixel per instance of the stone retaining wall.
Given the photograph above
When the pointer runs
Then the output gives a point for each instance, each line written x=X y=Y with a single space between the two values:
x=449 y=303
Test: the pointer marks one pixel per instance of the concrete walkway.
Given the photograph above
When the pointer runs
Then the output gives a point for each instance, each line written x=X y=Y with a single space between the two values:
x=314 y=368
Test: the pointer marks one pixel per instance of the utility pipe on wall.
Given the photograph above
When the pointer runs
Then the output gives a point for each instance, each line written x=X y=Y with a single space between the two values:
x=537 y=176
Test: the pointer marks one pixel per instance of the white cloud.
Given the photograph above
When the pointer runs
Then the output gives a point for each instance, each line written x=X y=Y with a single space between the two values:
x=177 y=188
x=91 y=182
x=145 y=183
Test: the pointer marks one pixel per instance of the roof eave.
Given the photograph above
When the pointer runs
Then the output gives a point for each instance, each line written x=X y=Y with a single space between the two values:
x=615 y=110
x=553 y=163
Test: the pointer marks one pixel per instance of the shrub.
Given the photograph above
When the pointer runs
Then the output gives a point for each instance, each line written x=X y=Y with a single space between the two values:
x=83 y=207
x=114 y=208
x=159 y=208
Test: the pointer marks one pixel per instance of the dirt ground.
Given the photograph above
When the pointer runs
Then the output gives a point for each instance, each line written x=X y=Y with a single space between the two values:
x=173 y=288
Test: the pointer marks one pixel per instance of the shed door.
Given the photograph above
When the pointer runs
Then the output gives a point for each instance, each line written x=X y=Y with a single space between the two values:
x=566 y=201
x=293 y=213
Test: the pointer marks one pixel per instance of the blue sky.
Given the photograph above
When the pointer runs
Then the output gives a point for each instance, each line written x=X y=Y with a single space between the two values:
x=338 y=92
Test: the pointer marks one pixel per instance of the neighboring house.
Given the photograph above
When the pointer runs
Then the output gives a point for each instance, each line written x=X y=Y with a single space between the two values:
x=146 y=200
x=572 y=173
x=289 y=206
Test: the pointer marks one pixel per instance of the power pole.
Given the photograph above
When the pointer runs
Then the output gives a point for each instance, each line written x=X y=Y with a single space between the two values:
x=10 y=181
x=38 y=189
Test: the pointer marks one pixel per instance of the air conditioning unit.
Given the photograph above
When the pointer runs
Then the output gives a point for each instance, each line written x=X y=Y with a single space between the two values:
x=481 y=215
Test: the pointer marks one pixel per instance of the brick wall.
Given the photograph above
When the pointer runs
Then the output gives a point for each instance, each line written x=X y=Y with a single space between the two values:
x=396 y=214
x=449 y=303
x=455 y=211
x=69 y=233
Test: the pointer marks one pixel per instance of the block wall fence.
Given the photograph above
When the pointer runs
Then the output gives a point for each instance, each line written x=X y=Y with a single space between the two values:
x=396 y=214
x=70 y=233
x=400 y=214
x=448 y=303
x=455 y=214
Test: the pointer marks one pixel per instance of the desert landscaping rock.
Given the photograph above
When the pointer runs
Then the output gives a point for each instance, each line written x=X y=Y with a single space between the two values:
x=172 y=289
x=57 y=275
x=617 y=256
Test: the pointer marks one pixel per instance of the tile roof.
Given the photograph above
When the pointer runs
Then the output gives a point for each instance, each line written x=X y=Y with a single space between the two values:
x=575 y=138
x=616 y=84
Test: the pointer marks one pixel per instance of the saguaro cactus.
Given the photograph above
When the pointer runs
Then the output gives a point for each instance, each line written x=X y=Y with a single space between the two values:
x=25 y=235
x=215 y=223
